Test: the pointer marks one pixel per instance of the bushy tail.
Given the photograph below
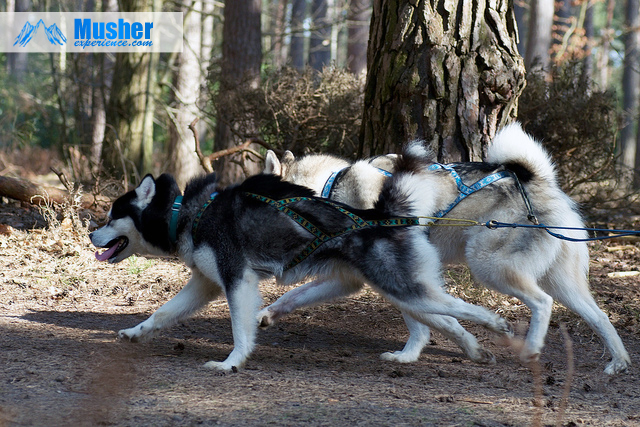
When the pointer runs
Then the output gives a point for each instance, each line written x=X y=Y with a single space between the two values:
x=398 y=196
x=513 y=147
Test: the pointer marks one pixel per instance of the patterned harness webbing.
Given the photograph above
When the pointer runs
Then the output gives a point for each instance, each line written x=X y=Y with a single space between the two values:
x=322 y=236
x=465 y=190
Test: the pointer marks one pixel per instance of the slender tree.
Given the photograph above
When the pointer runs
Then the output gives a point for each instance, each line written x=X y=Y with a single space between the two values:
x=448 y=73
x=296 y=47
x=320 y=38
x=183 y=163
x=630 y=82
x=358 y=29
x=240 y=70
x=539 y=33
x=129 y=142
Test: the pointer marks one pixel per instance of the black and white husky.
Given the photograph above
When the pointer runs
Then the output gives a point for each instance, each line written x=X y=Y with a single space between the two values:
x=232 y=238
x=529 y=264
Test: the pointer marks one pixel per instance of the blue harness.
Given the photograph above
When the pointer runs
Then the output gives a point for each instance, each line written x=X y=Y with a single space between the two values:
x=327 y=190
x=465 y=190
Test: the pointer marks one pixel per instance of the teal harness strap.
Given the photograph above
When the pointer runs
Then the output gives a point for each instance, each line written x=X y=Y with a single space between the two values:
x=194 y=226
x=173 y=223
x=321 y=235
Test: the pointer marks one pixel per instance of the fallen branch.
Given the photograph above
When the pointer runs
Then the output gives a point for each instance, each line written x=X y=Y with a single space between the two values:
x=37 y=194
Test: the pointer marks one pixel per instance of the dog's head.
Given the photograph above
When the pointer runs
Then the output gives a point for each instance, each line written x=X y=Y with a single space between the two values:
x=138 y=222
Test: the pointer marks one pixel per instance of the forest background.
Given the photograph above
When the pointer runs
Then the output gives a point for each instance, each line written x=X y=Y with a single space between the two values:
x=292 y=74
x=354 y=78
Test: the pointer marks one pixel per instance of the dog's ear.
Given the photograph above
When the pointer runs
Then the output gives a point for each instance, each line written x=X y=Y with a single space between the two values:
x=288 y=159
x=145 y=191
x=272 y=164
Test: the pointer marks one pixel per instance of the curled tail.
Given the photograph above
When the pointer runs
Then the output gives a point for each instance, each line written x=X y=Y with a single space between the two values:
x=407 y=191
x=517 y=150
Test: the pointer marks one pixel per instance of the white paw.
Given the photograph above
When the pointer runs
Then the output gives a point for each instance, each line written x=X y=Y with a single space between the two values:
x=527 y=356
x=220 y=366
x=504 y=327
x=481 y=355
x=136 y=334
x=266 y=318
x=400 y=356
x=617 y=367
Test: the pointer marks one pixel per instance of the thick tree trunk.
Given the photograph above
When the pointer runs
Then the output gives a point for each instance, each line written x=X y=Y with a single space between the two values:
x=450 y=75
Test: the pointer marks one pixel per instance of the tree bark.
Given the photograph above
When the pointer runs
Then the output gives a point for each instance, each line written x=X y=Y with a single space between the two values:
x=450 y=75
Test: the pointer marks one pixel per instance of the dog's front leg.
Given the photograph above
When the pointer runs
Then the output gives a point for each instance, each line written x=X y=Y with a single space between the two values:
x=244 y=301
x=195 y=294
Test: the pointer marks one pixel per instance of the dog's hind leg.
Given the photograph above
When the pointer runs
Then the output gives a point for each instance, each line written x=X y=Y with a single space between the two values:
x=311 y=293
x=572 y=289
x=244 y=301
x=195 y=294
x=419 y=336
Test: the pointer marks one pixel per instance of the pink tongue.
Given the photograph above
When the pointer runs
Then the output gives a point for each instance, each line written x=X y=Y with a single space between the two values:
x=106 y=254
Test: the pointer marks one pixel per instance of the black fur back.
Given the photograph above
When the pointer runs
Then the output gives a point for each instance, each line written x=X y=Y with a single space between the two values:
x=273 y=187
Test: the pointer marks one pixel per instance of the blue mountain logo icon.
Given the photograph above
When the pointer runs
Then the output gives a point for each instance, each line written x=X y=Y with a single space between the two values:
x=52 y=32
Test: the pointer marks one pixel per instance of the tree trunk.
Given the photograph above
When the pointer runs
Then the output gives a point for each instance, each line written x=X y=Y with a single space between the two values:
x=277 y=30
x=589 y=33
x=132 y=104
x=539 y=34
x=450 y=75
x=296 y=48
x=607 y=37
x=101 y=84
x=240 y=70
x=183 y=162
x=358 y=30
x=320 y=39
x=17 y=62
x=630 y=81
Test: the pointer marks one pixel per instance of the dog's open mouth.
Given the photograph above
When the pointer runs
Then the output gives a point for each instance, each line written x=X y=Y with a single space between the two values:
x=114 y=247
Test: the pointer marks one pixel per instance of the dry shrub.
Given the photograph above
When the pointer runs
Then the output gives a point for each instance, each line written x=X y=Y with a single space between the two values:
x=577 y=124
x=302 y=111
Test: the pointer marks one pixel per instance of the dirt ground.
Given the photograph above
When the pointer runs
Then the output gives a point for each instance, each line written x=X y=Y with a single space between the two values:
x=62 y=365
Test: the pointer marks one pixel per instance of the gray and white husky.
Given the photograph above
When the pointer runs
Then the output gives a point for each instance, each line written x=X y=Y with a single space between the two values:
x=233 y=237
x=529 y=264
